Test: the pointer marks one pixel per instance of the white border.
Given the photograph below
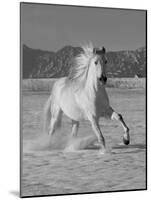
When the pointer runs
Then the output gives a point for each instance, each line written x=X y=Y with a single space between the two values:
x=9 y=100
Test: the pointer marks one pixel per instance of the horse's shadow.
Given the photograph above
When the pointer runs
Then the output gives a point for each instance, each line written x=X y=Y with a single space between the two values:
x=90 y=143
x=138 y=146
x=130 y=146
x=128 y=149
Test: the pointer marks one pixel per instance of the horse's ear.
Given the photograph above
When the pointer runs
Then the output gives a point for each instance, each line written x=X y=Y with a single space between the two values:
x=99 y=51
x=103 y=50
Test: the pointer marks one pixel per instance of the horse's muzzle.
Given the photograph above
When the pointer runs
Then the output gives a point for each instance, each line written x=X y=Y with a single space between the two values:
x=103 y=79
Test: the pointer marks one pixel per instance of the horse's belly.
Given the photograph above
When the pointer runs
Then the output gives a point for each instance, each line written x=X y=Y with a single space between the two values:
x=70 y=107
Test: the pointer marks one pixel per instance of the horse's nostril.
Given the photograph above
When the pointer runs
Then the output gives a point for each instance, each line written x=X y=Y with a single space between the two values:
x=105 y=79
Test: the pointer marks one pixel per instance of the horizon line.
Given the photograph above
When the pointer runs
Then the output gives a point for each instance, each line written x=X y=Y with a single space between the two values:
x=23 y=44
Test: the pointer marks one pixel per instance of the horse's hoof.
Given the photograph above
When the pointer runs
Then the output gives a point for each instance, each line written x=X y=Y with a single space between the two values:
x=125 y=141
x=102 y=151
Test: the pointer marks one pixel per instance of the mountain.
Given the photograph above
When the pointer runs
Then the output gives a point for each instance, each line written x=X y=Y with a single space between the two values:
x=127 y=63
x=46 y=64
x=34 y=59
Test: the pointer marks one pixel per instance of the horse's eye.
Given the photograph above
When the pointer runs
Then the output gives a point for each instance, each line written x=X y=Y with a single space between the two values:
x=105 y=61
x=96 y=62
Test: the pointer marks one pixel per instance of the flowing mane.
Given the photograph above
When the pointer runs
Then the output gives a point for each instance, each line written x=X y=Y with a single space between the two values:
x=80 y=64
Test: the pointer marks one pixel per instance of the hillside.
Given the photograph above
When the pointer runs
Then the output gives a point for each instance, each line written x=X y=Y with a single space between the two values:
x=45 y=64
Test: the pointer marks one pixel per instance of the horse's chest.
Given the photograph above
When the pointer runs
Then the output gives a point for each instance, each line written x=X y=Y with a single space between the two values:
x=102 y=103
x=102 y=99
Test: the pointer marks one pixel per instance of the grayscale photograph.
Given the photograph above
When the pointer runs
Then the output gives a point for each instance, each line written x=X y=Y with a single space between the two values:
x=82 y=100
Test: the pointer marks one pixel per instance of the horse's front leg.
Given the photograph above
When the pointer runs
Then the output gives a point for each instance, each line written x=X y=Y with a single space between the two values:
x=98 y=133
x=118 y=117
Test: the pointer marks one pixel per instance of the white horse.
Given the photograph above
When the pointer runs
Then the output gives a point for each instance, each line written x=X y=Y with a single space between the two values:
x=82 y=95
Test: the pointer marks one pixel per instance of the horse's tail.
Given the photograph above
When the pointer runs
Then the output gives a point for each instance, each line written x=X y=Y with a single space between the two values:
x=47 y=114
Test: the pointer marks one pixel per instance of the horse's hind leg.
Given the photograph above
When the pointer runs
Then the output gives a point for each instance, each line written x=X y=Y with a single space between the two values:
x=75 y=126
x=56 y=115
x=126 y=136
x=52 y=126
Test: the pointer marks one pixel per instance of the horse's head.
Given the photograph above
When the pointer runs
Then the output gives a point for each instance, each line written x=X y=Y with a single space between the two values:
x=99 y=61
x=89 y=67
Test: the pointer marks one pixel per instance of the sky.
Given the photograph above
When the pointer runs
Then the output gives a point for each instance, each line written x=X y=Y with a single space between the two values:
x=51 y=27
